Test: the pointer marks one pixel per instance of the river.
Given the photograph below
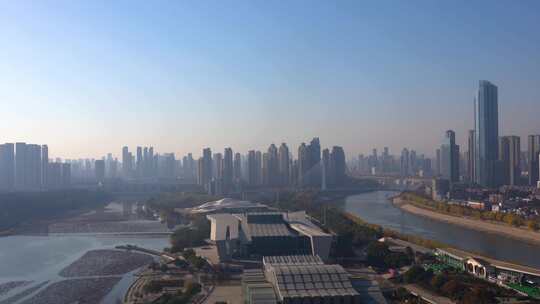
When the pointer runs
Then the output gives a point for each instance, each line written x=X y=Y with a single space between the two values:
x=376 y=208
x=41 y=258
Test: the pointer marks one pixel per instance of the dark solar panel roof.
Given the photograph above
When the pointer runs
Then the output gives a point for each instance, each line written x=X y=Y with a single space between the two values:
x=265 y=218
x=293 y=260
x=266 y=230
x=312 y=280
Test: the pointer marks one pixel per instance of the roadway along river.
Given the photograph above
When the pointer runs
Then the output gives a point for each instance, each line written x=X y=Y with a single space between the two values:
x=374 y=207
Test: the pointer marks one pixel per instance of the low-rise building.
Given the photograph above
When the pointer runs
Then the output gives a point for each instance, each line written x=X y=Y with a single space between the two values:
x=268 y=233
x=256 y=289
x=299 y=279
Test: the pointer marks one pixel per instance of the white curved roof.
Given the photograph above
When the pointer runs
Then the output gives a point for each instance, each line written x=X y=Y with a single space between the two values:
x=223 y=204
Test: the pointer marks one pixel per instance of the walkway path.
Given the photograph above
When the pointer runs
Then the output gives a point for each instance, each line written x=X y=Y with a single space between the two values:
x=427 y=295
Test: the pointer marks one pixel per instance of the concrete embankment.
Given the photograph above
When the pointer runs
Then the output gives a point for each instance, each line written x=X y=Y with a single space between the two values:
x=501 y=229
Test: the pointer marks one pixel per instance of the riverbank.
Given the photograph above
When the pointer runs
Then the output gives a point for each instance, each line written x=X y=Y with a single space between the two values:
x=479 y=225
x=106 y=262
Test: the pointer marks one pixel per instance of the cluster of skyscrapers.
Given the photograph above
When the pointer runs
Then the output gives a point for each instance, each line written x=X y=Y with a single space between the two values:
x=221 y=173
x=147 y=165
x=494 y=160
x=489 y=161
x=409 y=163
x=26 y=167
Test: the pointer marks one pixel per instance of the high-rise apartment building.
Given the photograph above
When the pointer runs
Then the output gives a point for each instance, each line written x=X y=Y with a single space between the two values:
x=66 y=175
x=190 y=169
x=413 y=165
x=217 y=166
x=139 y=163
x=44 y=165
x=284 y=164
x=145 y=163
x=315 y=171
x=20 y=165
x=309 y=164
x=228 y=170
x=470 y=156
x=303 y=165
x=237 y=168
x=99 y=167
x=510 y=158
x=151 y=163
x=404 y=163
x=438 y=162
x=54 y=175
x=205 y=168
x=32 y=167
x=264 y=170
x=533 y=158
x=127 y=166
x=486 y=120
x=166 y=166
x=327 y=173
x=450 y=157
x=273 y=178
x=258 y=166
x=252 y=172
x=337 y=166
x=7 y=167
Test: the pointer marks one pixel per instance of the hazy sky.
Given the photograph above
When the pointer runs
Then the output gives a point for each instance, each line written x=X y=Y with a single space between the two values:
x=87 y=77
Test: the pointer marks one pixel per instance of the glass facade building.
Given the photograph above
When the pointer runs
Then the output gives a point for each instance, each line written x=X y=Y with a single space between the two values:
x=486 y=120
x=450 y=157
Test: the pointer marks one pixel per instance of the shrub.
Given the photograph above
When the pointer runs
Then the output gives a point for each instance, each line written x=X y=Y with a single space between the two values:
x=416 y=274
x=438 y=281
x=376 y=253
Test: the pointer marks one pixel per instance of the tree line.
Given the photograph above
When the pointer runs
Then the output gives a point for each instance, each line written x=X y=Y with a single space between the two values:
x=459 y=210
x=18 y=207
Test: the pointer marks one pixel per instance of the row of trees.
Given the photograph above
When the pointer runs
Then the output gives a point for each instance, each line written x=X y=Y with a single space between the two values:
x=166 y=202
x=171 y=200
x=508 y=218
x=19 y=207
x=379 y=255
x=182 y=297
x=193 y=236
x=351 y=230
x=460 y=287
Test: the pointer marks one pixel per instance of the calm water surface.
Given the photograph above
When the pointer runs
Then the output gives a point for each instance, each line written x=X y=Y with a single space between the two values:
x=41 y=258
x=374 y=207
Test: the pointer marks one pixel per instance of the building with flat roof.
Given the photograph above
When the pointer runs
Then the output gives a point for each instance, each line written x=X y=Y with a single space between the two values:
x=487 y=268
x=260 y=234
x=306 y=279
x=256 y=289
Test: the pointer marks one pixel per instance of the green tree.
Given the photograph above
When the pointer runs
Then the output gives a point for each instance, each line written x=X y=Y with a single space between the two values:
x=438 y=281
x=376 y=252
x=452 y=289
x=152 y=287
x=478 y=295
x=416 y=274
x=396 y=260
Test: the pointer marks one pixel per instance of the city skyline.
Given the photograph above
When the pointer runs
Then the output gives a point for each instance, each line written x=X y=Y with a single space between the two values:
x=217 y=83
x=272 y=152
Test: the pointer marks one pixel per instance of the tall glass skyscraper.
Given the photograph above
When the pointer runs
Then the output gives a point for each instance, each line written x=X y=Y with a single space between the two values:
x=450 y=157
x=486 y=122
x=532 y=157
